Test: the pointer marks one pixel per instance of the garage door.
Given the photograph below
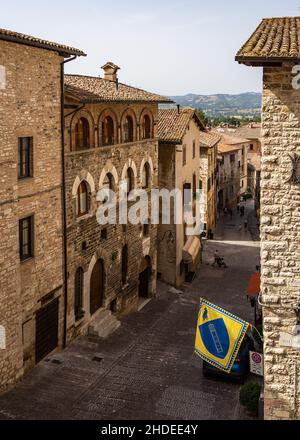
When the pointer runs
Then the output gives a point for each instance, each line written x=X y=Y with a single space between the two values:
x=46 y=330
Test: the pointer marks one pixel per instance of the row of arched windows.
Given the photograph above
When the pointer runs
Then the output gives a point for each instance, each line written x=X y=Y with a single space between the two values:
x=84 y=191
x=110 y=132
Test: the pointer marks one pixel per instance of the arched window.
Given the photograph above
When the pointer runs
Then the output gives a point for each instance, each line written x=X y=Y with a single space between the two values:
x=130 y=180
x=109 y=185
x=82 y=199
x=128 y=129
x=146 y=176
x=146 y=126
x=82 y=134
x=124 y=264
x=79 y=313
x=108 y=131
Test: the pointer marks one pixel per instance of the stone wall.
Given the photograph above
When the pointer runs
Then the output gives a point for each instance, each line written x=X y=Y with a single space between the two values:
x=29 y=106
x=280 y=233
x=85 y=244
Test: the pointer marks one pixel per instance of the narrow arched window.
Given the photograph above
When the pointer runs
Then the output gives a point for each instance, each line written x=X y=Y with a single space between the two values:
x=108 y=131
x=129 y=180
x=82 y=134
x=146 y=176
x=124 y=264
x=82 y=199
x=108 y=185
x=128 y=129
x=146 y=126
x=78 y=306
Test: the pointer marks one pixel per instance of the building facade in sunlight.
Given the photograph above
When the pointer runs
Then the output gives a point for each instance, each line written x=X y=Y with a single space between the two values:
x=275 y=46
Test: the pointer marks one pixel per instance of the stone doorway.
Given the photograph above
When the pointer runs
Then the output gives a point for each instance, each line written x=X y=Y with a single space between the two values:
x=97 y=287
x=145 y=278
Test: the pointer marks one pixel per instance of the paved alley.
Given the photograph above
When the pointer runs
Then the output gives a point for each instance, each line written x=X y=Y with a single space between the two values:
x=146 y=369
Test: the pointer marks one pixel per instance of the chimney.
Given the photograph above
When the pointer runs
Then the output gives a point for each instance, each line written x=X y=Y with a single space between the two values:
x=110 y=71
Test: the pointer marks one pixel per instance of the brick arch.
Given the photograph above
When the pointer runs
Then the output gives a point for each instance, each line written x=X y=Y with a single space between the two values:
x=82 y=114
x=102 y=116
x=109 y=168
x=84 y=175
x=129 y=164
x=150 y=162
x=145 y=112
x=129 y=112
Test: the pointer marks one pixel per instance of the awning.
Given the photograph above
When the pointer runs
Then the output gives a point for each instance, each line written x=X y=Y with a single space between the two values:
x=191 y=250
x=254 y=285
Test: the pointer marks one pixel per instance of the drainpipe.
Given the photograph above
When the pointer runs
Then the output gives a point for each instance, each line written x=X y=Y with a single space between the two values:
x=64 y=210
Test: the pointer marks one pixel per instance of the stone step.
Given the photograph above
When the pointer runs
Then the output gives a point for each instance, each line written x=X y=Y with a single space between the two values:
x=103 y=324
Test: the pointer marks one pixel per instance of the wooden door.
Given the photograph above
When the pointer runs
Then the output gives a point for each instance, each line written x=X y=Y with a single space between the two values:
x=46 y=330
x=97 y=287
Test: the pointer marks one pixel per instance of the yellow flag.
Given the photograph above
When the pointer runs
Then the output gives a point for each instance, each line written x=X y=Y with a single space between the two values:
x=219 y=336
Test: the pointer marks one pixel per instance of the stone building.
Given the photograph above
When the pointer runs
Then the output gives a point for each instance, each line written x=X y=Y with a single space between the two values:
x=31 y=220
x=228 y=176
x=179 y=132
x=275 y=47
x=110 y=141
x=209 y=178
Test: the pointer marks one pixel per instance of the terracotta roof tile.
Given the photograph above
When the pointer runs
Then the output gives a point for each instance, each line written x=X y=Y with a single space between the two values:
x=28 y=40
x=225 y=148
x=275 y=39
x=172 y=124
x=94 y=89
x=209 y=139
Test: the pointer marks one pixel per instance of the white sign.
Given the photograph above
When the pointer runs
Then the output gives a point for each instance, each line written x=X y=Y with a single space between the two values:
x=287 y=340
x=256 y=363
x=2 y=78
x=2 y=338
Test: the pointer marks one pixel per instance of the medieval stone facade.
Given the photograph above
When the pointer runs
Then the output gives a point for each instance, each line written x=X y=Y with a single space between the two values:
x=111 y=140
x=31 y=257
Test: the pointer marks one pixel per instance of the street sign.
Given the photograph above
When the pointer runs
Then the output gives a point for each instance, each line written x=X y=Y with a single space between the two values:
x=256 y=363
x=2 y=338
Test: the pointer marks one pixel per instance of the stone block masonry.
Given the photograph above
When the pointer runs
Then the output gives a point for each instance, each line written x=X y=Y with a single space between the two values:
x=280 y=210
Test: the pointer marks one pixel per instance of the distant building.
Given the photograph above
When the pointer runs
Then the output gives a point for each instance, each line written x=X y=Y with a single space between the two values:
x=179 y=134
x=228 y=176
x=209 y=178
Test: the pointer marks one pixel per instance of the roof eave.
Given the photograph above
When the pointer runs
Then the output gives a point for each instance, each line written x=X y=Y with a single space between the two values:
x=66 y=53
x=265 y=61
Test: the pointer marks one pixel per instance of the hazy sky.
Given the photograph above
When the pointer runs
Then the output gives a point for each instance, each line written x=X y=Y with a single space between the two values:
x=170 y=47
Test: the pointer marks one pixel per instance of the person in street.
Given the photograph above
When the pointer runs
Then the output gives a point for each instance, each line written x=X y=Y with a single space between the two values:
x=246 y=224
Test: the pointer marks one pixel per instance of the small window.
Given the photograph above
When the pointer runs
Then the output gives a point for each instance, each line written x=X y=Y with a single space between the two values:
x=146 y=229
x=108 y=131
x=26 y=234
x=82 y=199
x=146 y=126
x=194 y=186
x=232 y=158
x=128 y=129
x=108 y=184
x=82 y=134
x=79 y=313
x=184 y=155
x=194 y=149
x=25 y=157
x=124 y=264
x=146 y=176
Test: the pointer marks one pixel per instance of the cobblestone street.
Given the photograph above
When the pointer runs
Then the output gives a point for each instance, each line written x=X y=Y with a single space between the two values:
x=146 y=369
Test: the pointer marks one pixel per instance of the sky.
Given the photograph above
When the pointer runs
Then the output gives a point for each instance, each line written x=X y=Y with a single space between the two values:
x=169 y=47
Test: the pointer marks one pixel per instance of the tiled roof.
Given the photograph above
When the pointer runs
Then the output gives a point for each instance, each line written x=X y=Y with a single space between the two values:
x=90 y=89
x=242 y=134
x=209 y=139
x=275 y=39
x=232 y=139
x=172 y=124
x=224 y=149
x=28 y=40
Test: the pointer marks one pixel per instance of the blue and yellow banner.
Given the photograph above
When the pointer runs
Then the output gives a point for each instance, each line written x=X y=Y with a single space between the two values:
x=219 y=336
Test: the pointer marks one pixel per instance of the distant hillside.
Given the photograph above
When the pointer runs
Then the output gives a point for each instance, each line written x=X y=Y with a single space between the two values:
x=245 y=104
